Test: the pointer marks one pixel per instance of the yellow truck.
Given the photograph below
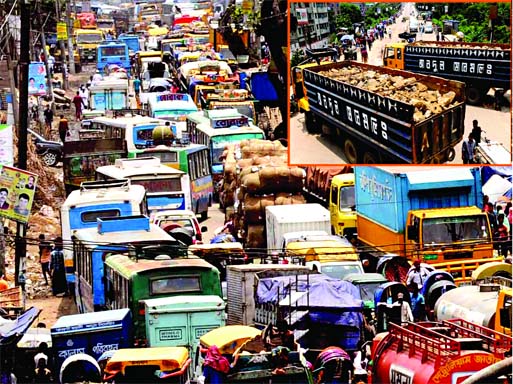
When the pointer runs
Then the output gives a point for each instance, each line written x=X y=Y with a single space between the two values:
x=86 y=42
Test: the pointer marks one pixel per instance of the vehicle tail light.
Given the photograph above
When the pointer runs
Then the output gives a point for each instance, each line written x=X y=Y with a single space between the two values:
x=197 y=229
x=142 y=310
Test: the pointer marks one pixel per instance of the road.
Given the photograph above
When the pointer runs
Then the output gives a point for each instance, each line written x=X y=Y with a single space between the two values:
x=308 y=148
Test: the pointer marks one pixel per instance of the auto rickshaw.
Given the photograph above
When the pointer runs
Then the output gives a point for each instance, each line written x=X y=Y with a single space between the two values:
x=148 y=365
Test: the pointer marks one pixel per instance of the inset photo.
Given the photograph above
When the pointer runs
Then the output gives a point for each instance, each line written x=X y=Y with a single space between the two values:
x=400 y=83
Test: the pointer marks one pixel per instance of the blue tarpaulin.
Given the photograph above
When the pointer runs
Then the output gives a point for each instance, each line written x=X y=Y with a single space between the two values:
x=503 y=171
x=329 y=300
x=13 y=332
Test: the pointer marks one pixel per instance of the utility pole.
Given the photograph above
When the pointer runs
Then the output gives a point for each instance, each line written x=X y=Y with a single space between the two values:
x=21 y=229
x=70 y=41
x=62 y=48
x=43 y=43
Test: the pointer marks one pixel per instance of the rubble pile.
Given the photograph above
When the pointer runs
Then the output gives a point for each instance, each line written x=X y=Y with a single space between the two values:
x=427 y=102
x=256 y=175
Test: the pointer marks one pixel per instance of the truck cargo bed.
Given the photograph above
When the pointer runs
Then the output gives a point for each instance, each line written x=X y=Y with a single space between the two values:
x=382 y=125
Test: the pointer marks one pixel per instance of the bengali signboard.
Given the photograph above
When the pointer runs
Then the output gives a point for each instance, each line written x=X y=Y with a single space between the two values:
x=17 y=189
x=6 y=145
x=62 y=31
x=37 y=79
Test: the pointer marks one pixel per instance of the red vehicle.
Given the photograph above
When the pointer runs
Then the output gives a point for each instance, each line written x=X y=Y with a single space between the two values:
x=87 y=20
x=445 y=352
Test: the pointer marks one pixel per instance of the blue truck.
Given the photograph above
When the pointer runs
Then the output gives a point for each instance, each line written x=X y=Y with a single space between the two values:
x=431 y=214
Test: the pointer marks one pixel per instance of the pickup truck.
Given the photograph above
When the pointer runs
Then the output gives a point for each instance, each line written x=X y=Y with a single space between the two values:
x=394 y=117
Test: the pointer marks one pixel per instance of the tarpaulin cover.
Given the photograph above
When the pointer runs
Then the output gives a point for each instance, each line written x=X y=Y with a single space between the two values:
x=262 y=87
x=13 y=332
x=504 y=171
x=330 y=300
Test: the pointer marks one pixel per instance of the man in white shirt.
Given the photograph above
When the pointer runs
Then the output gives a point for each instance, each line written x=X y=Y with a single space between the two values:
x=417 y=274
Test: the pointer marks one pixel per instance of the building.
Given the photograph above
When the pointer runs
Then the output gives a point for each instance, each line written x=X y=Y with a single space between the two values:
x=313 y=25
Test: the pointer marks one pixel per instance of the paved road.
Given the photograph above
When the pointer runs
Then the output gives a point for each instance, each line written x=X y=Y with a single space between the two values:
x=308 y=148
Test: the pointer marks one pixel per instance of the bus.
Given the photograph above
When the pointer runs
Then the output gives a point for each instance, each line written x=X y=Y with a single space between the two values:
x=193 y=159
x=92 y=246
x=95 y=199
x=166 y=188
x=137 y=130
x=219 y=132
x=112 y=52
x=172 y=107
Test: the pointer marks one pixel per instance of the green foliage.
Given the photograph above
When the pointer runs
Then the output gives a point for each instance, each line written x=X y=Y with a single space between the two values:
x=348 y=14
x=378 y=12
x=474 y=20
x=297 y=57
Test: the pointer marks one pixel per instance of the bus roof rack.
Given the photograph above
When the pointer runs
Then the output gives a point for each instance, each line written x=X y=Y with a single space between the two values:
x=93 y=185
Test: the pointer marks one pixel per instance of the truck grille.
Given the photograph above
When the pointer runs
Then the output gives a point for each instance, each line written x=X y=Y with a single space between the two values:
x=458 y=255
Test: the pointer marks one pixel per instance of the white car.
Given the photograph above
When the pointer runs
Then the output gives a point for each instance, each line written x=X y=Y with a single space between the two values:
x=182 y=224
x=428 y=27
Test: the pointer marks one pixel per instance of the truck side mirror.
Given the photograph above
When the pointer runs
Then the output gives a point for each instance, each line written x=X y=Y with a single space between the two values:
x=413 y=233
x=505 y=317
x=204 y=228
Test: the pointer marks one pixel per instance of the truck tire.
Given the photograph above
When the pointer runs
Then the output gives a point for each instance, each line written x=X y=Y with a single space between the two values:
x=310 y=123
x=350 y=151
x=450 y=154
x=369 y=158
x=474 y=95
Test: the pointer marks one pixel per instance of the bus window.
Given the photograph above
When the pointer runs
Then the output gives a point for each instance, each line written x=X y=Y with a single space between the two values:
x=176 y=285
x=90 y=217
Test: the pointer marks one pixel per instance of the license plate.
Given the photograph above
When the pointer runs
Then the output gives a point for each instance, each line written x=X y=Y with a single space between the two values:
x=89 y=57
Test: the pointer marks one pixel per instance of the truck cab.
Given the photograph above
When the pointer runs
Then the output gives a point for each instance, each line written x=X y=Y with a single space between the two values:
x=393 y=55
x=87 y=41
x=342 y=205
x=447 y=234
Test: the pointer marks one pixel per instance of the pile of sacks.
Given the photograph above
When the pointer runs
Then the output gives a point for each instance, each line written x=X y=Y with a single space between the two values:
x=256 y=175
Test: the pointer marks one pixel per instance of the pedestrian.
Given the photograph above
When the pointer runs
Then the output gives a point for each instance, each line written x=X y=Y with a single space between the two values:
x=3 y=283
x=137 y=85
x=22 y=279
x=89 y=82
x=501 y=236
x=389 y=30
x=488 y=208
x=417 y=274
x=84 y=94
x=48 y=114
x=45 y=250
x=63 y=128
x=57 y=269
x=476 y=132
x=97 y=77
x=215 y=366
x=418 y=303
x=42 y=373
x=79 y=103
x=51 y=63
x=365 y=55
x=406 y=314
x=468 y=150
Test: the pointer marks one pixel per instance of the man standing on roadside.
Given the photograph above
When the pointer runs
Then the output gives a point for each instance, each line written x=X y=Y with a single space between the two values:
x=468 y=150
x=48 y=120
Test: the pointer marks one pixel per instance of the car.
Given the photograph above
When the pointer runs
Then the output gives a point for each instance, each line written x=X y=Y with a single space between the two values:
x=181 y=224
x=49 y=151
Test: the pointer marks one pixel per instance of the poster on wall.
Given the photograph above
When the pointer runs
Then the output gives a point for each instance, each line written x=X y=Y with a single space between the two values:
x=6 y=145
x=17 y=189
x=37 y=79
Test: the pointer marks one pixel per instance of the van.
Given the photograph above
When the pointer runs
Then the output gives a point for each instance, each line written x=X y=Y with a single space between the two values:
x=414 y=25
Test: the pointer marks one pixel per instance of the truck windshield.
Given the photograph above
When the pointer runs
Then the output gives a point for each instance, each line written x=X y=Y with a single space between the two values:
x=347 y=199
x=442 y=230
x=339 y=271
x=105 y=24
x=89 y=38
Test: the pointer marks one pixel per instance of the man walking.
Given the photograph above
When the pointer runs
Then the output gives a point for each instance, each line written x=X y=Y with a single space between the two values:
x=63 y=128
x=48 y=114
x=78 y=102
x=476 y=132
x=45 y=250
x=468 y=150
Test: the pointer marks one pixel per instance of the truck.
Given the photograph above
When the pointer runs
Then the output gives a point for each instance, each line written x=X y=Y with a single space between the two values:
x=488 y=305
x=430 y=214
x=333 y=188
x=383 y=115
x=435 y=352
x=87 y=41
x=480 y=65
x=109 y=94
x=282 y=219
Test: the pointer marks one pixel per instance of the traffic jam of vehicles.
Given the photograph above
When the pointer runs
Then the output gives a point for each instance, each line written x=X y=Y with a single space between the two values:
x=187 y=249
x=399 y=91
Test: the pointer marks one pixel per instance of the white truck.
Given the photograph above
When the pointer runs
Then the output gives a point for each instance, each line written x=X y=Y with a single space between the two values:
x=283 y=219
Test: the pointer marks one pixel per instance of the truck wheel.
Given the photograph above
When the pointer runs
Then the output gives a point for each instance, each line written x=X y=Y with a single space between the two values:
x=473 y=95
x=350 y=151
x=369 y=158
x=310 y=123
x=450 y=154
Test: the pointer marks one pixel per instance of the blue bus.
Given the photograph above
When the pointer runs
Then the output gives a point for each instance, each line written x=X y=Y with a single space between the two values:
x=111 y=53
x=132 y=41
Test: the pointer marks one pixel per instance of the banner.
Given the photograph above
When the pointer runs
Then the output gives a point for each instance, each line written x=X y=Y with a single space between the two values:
x=37 y=79
x=6 y=145
x=302 y=16
x=17 y=189
x=62 y=31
